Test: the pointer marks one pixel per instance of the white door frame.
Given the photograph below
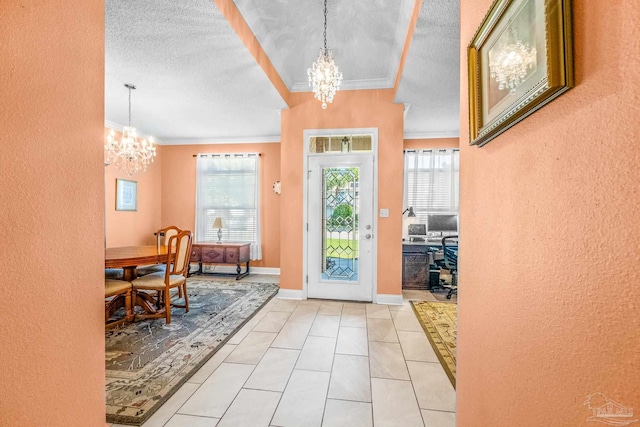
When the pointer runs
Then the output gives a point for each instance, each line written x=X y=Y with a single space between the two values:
x=307 y=134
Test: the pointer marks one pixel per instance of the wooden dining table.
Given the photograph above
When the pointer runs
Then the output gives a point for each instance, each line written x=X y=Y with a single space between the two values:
x=129 y=258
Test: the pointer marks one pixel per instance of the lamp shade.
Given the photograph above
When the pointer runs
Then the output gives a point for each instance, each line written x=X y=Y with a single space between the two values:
x=219 y=222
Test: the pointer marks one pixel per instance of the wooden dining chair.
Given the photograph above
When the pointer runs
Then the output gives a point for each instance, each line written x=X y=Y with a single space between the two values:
x=113 y=273
x=117 y=293
x=175 y=276
x=162 y=240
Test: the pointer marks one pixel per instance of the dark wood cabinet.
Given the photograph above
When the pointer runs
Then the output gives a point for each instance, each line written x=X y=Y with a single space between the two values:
x=212 y=254
x=415 y=266
x=222 y=253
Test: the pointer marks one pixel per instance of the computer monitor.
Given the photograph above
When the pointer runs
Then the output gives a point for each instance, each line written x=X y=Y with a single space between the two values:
x=442 y=223
x=417 y=232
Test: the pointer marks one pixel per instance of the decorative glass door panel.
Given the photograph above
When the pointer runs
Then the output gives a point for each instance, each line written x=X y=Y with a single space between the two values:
x=340 y=234
x=340 y=200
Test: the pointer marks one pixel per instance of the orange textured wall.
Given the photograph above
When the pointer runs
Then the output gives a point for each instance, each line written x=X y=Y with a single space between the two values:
x=126 y=228
x=350 y=109
x=179 y=190
x=550 y=253
x=51 y=214
x=410 y=144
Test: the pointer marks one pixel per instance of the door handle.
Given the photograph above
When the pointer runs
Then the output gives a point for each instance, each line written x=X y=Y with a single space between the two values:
x=368 y=236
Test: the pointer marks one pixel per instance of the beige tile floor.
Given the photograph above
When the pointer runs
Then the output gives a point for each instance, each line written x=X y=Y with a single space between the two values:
x=319 y=363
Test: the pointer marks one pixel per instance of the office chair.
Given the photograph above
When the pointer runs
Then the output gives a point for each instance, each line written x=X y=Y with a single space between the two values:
x=450 y=261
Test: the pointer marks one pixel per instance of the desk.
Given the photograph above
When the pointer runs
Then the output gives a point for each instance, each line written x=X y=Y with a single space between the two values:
x=416 y=260
x=222 y=253
x=129 y=257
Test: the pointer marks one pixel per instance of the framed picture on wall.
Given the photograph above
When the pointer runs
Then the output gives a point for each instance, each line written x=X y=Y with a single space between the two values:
x=126 y=195
x=519 y=60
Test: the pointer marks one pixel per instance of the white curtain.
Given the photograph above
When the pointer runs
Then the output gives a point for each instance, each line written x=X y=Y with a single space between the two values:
x=228 y=186
x=432 y=182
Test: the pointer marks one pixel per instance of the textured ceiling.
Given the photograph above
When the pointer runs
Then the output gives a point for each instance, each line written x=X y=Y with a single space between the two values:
x=430 y=82
x=194 y=77
x=197 y=82
x=366 y=36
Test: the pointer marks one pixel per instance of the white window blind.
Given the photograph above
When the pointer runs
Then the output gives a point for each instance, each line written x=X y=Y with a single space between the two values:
x=432 y=182
x=227 y=186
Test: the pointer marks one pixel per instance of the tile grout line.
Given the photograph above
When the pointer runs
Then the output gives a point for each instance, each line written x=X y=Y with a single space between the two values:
x=294 y=368
x=373 y=421
x=223 y=361
x=290 y=374
x=253 y=370
x=333 y=363
x=415 y=395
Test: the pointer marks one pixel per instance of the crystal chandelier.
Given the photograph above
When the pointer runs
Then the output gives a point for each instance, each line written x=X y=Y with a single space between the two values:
x=324 y=76
x=129 y=154
x=511 y=60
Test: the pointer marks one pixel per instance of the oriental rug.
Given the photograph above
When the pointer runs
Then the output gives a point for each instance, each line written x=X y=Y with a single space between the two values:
x=147 y=361
x=440 y=323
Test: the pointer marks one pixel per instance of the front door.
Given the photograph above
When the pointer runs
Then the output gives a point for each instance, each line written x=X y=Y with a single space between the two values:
x=341 y=231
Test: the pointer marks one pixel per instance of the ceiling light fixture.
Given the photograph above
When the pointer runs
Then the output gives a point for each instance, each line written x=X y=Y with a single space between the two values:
x=129 y=154
x=324 y=76
x=511 y=60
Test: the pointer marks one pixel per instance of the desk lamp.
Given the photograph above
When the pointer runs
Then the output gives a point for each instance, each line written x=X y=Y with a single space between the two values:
x=219 y=223
x=411 y=212
x=411 y=219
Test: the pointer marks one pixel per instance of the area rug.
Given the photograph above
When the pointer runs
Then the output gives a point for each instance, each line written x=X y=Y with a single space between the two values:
x=147 y=361
x=440 y=322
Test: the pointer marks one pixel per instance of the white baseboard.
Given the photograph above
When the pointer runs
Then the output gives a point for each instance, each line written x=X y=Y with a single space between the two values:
x=265 y=270
x=231 y=269
x=389 y=299
x=290 y=294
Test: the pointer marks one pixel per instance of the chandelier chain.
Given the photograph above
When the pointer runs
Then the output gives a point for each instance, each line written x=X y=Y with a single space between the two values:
x=130 y=87
x=325 y=25
x=324 y=76
x=130 y=154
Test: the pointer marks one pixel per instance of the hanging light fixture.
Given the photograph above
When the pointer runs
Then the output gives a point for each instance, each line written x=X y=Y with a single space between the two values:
x=511 y=60
x=129 y=154
x=324 y=76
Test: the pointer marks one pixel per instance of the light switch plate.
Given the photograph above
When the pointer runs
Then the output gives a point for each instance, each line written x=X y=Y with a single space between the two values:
x=384 y=213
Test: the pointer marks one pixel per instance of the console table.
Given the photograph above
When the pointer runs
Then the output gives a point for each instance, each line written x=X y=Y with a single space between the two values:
x=222 y=253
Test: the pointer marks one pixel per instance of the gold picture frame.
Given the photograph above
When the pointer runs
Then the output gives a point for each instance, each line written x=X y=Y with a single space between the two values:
x=520 y=59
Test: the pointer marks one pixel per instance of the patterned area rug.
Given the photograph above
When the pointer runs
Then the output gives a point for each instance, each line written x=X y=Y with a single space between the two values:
x=147 y=361
x=440 y=322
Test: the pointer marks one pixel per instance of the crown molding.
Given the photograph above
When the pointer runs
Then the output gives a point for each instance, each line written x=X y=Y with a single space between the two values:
x=402 y=27
x=272 y=139
x=407 y=107
x=118 y=127
x=365 y=84
x=433 y=135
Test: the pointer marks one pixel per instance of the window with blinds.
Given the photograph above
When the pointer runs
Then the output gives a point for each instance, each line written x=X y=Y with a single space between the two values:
x=431 y=182
x=227 y=186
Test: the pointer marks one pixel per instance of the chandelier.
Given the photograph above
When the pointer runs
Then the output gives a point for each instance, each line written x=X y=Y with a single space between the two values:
x=324 y=76
x=129 y=154
x=511 y=60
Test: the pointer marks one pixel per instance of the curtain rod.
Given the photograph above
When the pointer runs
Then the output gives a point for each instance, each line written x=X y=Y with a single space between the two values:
x=229 y=155
x=415 y=150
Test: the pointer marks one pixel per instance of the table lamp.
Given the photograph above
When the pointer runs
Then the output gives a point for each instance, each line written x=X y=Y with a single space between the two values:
x=219 y=223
